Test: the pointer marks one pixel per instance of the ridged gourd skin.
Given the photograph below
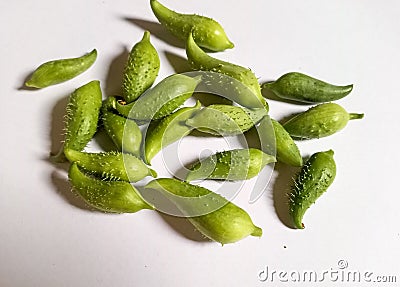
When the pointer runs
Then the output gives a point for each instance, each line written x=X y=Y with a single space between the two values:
x=315 y=177
x=141 y=69
x=226 y=120
x=58 y=71
x=111 y=165
x=227 y=223
x=207 y=32
x=305 y=89
x=108 y=196
x=200 y=60
x=161 y=100
x=238 y=164
x=167 y=131
x=286 y=149
x=125 y=133
x=82 y=118
x=319 y=121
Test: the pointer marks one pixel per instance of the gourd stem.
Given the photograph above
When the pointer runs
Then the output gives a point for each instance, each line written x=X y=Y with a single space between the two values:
x=257 y=232
x=353 y=116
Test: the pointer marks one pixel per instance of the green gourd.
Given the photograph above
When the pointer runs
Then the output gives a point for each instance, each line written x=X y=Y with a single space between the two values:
x=211 y=214
x=315 y=177
x=109 y=196
x=303 y=88
x=161 y=100
x=111 y=165
x=109 y=104
x=167 y=130
x=125 y=133
x=319 y=121
x=207 y=32
x=226 y=120
x=58 y=71
x=82 y=117
x=141 y=69
x=286 y=149
x=238 y=164
x=199 y=60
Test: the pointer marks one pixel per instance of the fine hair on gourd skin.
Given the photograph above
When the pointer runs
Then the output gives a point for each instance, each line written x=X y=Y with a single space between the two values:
x=231 y=165
x=141 y=69
x=125 y=133
x=317 y=174
x=111 y=165
x=108 y=196
x=82 y=116
x=200 y=60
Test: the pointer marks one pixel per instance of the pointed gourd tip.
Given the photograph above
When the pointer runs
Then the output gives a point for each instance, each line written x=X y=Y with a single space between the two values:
x=257 y=232
x=299 y=225
x=355 y=116
x=93 y=52
x=230 y=45
x=31 y=84
x=147 y=159
x=330 y=152
x=146 y=36
x=152 y=173
x=349 y=87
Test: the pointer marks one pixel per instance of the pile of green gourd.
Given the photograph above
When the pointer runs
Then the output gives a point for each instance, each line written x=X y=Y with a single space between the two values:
x=104 y=179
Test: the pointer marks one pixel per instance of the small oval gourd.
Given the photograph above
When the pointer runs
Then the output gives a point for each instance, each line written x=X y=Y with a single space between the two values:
x=141 y=69
x=319 y=121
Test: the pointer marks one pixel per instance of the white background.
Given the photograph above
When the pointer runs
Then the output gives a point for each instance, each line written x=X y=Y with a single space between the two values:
x=48 y=237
